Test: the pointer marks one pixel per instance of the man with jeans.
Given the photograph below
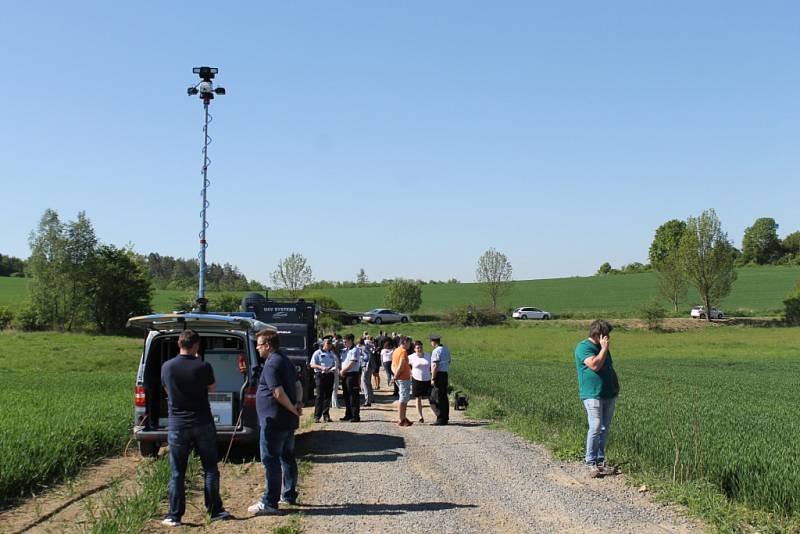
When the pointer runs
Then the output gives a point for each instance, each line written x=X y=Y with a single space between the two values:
x=599 y=387
x=279 y=406
x=188 y=380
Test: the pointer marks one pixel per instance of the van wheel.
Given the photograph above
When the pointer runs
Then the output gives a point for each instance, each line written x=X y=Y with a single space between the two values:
x=149 y=449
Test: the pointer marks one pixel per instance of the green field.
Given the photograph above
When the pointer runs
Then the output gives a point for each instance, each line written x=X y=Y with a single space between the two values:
x=723 y=396
x=758 y=291
x=67 y=401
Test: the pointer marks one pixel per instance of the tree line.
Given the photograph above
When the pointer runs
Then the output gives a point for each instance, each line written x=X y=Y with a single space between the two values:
x=11 y=266
x=167 y=272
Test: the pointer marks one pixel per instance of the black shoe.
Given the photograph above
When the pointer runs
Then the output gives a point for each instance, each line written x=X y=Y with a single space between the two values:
x=345 y=418
x=327 y=418
x=439 y=423
x=355 y=420
x=316 y=420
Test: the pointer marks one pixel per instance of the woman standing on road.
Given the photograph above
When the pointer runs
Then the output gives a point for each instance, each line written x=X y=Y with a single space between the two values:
x=386 y=359
x=420 y=376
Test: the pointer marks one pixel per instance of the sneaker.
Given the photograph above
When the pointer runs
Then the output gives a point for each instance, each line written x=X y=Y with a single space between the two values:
x=288 y=502
x=594 y=471
x=221 y=516
x=607 y=469
x=170 y=522
x=260 y=508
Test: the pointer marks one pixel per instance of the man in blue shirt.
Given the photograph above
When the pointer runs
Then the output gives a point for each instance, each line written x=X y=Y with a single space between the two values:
x=324 y=364
x=188 y=380
x=279 y=406
x=599 y=387
x=440 y=367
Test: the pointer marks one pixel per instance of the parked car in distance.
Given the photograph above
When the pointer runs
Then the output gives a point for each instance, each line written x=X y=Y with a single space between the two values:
x=383 y=316
x=530 y=312
x=699 y=312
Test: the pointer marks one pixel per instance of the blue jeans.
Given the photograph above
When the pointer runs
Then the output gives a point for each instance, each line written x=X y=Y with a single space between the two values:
x=277 y=455
x=180 y=445
x=599 y=412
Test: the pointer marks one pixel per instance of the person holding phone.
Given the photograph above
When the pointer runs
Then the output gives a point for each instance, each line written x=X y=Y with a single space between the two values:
x=599 y=387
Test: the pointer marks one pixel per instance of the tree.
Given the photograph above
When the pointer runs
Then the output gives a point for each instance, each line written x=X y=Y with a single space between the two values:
x=119 y=286
x=791 y=243
x=361 y=278
x=292 y=274
x=708 y=258
x=760 y=243
x=672 y=280
x=79 y=269
x=494 y=272
x=605 y=269
x=403 y=295
x=46 y=267
x=666 y=241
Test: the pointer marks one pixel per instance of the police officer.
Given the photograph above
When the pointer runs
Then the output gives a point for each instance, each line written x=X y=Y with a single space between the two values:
x=440 y=365
x=324 y=364
x=351 y=373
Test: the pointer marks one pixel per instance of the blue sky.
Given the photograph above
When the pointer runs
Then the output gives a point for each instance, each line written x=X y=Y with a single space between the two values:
x=402 y=137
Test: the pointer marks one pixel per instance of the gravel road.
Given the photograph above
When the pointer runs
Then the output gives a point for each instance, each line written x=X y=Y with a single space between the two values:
x=374 y=476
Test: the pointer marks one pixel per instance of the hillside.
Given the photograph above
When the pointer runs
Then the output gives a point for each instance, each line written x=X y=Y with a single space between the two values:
x=758 y=290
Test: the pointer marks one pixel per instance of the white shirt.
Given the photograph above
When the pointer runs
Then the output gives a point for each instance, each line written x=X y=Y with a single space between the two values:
x=352 y=355
x=386 y=355
x=420 y=366
x=441 y=356
x=326 y=358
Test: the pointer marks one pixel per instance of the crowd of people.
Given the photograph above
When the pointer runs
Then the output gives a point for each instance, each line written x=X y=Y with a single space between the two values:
x=355 y=366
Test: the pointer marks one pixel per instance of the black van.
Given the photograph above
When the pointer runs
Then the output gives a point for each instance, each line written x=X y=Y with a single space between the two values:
x=228 y=343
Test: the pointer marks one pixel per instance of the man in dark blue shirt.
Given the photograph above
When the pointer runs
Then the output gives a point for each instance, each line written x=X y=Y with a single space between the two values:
x=188 y=381
x=279 y=406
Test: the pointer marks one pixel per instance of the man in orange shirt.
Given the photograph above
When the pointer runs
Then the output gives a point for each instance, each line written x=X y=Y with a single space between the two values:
x=402 y=377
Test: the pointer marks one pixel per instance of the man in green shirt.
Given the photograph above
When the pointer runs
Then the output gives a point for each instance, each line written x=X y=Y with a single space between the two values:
x=599 y=387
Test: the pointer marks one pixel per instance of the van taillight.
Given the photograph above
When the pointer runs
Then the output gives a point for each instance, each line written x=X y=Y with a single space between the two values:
x=250 y=397
x=140 y=399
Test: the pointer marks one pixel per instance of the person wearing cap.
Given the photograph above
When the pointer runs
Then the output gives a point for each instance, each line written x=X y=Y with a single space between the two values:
x=440 y=366
x=324 y=363
x=402 y=377
x=351 y=375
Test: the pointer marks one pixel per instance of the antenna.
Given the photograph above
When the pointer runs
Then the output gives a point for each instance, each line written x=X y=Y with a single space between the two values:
x=205 y=88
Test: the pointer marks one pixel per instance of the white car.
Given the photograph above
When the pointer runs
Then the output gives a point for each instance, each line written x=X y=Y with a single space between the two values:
x=383 y=316
x=530 y=313
x=699 y=312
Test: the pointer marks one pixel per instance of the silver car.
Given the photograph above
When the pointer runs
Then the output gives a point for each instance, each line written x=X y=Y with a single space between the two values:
x=383 y=316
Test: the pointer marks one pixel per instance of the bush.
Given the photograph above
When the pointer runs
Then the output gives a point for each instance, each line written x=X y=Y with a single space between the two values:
x=6 y=317
x=224 y=302
x=472 y=316
x=792 y=306
x=653 y=313
x=27 y=318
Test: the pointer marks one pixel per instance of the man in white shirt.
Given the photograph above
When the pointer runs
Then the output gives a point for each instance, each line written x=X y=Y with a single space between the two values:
x=351 y=374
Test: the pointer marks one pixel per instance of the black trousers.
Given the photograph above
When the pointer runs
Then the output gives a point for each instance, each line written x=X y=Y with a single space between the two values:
x=322 y=406
x=351 y=388
x=440 y=404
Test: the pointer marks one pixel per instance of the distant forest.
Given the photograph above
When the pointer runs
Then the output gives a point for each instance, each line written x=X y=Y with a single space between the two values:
x=166 y=272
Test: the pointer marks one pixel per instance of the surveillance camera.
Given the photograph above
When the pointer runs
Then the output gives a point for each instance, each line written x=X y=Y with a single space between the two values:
x=205 y=88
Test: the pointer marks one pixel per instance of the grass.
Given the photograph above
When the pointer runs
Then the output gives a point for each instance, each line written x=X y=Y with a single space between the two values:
x=67 y=402
x=707 y=416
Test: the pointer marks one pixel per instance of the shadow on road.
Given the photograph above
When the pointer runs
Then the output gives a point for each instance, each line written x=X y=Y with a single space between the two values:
x=328 y=442
x=377 y=509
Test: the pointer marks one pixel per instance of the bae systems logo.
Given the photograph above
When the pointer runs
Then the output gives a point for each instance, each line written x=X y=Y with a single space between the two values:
x=280 y=315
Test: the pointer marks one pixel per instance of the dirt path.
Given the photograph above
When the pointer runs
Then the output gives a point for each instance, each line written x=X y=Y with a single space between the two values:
x=67 y=507
x=373 y=476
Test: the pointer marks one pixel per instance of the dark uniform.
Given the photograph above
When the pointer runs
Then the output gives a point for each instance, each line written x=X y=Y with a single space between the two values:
x=351 y=384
